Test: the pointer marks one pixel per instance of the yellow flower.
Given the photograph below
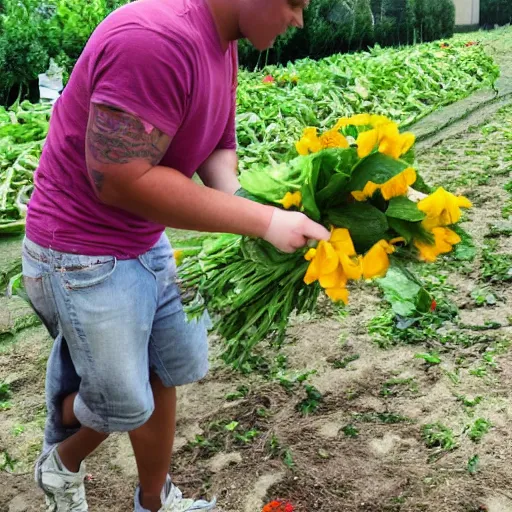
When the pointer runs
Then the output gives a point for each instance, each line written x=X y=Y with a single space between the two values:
x=333 y=139
x=323 y=261
x=332 y=263
x=378 y=120
x=444 y=240
x=376 y=260
x=335 y=279
x=366 y=142
x=396 y=186
x=312 y=143
x=374 y=120
x=178 y=257
x=387 y=137
x=338 y=294
x=309 y=143
x=291 y=199
x=442 y=208
x=344 y=247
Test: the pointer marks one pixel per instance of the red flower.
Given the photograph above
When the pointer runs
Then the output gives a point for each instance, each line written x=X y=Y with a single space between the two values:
x=433 y=306
x=278 y=506
x=444 y=46
x=269 y=79
x=471 y=43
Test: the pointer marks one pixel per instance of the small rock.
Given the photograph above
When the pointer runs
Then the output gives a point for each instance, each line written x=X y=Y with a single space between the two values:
x=18 y=504
x=324 y=454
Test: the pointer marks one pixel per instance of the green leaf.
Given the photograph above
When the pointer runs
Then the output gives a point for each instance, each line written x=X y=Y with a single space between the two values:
x=465 y=250
x=231 y=426
x=473 y=464
x=367 y=224
x=405 y=209
x=410 y=230
x=429 y=358
x=406 y=297
x=241 y=192
x=378 y=168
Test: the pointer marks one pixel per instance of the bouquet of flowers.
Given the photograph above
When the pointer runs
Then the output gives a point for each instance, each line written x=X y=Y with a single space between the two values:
x=359 y=180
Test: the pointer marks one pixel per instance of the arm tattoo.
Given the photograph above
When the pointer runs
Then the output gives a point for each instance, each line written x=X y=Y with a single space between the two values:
x=116 y=137
x=98 y=178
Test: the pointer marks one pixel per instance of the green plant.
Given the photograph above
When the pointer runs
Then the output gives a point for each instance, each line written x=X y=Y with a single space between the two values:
x=495 y=12
x=473 y=464
x=8 y=462
x=312 y=402
x=495 y=266
x=470 y=402
x=5 y=391
x=24 y=52
x=431 y=359
x=350 y=431
x=438 y=435
x=343 y=363
x=392 y=386
x=478 y=429
x=241 y=392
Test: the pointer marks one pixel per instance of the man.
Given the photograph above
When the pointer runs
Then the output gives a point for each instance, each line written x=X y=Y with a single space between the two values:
x=150 y=102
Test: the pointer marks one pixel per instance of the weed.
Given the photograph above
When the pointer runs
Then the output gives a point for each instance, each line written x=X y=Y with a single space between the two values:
x=247 y=437
x=241 y=392
x=438 y=435
x=478 y=429
x=17 y=430
x=388 y=330
x=481 y=371
x=473 y=464
x=390 y=387
x=350 y=431
x=262 y=412
x=429 y=358
x=483 y=296
x=381 y=417
x=292 y=382
x=5 y=391
x=8 y=462
x=495 y=266
x=288 y=459
x=310 y=404
x=469 y=402
x=5 y=405
x=277 y=450
x=343 y=363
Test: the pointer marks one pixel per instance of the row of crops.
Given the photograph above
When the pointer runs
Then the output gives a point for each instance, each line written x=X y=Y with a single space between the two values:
x=274 y=106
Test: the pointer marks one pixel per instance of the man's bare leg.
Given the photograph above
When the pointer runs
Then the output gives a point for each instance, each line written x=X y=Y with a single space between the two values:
x=76 y=448
x=152 y=444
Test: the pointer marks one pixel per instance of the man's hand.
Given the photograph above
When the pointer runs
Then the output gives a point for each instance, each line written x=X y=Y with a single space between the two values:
x=289 y=231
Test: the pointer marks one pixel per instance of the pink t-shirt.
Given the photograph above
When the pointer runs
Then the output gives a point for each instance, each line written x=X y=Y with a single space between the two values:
x=161 y=60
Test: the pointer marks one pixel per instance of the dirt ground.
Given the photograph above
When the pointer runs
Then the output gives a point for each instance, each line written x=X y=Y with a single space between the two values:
x=364 y=447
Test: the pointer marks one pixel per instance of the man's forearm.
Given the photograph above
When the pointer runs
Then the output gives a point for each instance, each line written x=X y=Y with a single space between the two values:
x=219 y=171
x=165 y=196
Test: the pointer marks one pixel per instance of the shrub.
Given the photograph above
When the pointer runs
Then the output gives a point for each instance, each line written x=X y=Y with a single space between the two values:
x=495 y=12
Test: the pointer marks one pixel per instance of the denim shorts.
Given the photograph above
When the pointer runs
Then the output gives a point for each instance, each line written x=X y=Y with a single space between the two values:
x=113 y=322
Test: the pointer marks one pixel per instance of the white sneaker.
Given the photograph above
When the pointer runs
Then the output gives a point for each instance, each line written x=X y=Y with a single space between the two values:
x=65 y=491
x=173 y=501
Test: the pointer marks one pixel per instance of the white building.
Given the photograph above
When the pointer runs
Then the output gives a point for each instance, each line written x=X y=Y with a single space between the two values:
x=467 y=13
